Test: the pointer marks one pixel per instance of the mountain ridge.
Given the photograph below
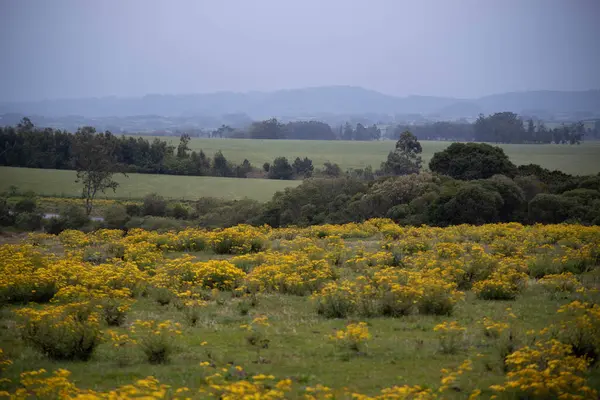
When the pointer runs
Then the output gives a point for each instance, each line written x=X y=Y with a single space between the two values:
x=307 y=101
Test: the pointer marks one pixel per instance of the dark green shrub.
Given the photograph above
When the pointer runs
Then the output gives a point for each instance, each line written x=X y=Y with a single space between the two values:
x=180 y=211
x=552 y=208
x=134 y=210
x=54 y=225
x=26 y=205
x=29 y=221
x=74 y=217
x=116 y=217
x=154 y=205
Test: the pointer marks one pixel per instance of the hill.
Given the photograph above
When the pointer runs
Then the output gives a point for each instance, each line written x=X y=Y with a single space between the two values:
x=306 y=102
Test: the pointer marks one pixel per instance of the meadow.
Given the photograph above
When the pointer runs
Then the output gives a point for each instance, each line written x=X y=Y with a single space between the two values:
x=370 y=310
x=581 y=159
x=61 y=183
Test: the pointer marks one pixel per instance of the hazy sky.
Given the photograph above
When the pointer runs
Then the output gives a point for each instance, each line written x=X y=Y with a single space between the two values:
x=57 y=49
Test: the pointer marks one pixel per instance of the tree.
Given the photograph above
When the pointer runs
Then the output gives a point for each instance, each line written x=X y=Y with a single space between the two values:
x=183 y=147
x=95 y=161
x=348 y=132
x=405 y=159
x=469 y=161
x=281 y=169
x=303 y=168
x=268 y=129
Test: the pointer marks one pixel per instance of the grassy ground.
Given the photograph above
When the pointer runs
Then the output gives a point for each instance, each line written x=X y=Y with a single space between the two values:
x=49 y=182
x=402 y=349
x=578 y=159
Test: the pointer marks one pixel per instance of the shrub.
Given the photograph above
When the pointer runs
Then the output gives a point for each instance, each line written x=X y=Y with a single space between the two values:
x=354 y=337
x=180 y=211
x=500 y=286
x=451 y=336
x=6 y=217
x=26 y=205
x=55 y=225
x=69 y=332
x=580 y=328
x=216 y=274
x=154 y=205
x=547 y=370
x=29 y=221
x=552 y=209
x=114 y=311
x=134 y=210
x=116 y=217
x=74 y=217
x=337 y=299
x=560 y=283
x=157 y=339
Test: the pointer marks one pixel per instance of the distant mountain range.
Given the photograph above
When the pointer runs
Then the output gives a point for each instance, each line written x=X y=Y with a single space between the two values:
x=307 y=102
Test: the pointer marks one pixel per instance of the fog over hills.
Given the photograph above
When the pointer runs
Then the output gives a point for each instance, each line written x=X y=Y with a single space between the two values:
x=306 y=102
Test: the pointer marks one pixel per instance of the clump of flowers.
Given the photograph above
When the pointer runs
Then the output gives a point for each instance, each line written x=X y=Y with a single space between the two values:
x=450 y=377
x=502 y=285
x=580 y=328
x=556 y=284
x=493 y=329
x=548 y=370
x=354 y=337
x=451 y=336
x=114 y=310
x=156 y=339
x=62 y=332
x=257 y=336
x=123 y=344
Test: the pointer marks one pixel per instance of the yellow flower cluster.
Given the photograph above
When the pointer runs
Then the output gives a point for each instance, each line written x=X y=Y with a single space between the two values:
x=353 y=337
x=546 y=370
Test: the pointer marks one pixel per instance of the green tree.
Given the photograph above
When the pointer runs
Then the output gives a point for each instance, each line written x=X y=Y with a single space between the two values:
x=468 y=161
x=406 y=158
x=281 y=169
x=183 y=147
x=303 y=167
x=94 y=159
x=268 y=129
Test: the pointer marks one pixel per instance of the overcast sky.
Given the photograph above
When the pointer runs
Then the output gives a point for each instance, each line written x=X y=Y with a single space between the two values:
x=461 y=48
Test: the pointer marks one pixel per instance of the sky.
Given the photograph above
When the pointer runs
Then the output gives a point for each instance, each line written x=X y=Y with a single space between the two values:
x=459 y=48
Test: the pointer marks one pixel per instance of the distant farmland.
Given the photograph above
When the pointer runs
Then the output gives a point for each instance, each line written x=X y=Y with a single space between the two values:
x=52 y=182
x=581 y=159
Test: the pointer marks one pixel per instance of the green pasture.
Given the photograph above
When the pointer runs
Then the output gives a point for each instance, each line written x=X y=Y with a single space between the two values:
x=61 y=183
x=583 y=159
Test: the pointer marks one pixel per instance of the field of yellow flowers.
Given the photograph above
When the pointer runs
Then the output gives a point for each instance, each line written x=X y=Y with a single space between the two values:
x=356 y=311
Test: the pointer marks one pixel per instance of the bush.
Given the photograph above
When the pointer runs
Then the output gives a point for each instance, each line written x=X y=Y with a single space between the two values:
x=154 y=205
x=74 y=217
x=26 y=205
x=116 y=217
x=69 y=332
x=180 y=211
x=157 y=339
x=29 y=221
x=6 y=217
x=134 y=210
x=552 y=208
x=54 y=225
x=160 y=224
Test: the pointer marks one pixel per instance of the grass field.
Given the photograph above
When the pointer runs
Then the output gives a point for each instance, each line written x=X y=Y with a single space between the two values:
x=404 y=349
x=581 y=159
x=60 y=183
